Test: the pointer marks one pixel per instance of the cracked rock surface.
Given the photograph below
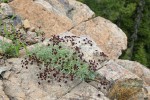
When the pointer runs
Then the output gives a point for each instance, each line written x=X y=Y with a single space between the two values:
x=53 y=16
x=72 y=18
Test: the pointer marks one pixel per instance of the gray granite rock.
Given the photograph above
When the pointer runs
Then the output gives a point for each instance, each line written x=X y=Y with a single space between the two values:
x=6 y=10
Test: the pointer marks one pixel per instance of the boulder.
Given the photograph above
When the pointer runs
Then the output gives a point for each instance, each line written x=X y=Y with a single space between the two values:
x=118 y=82
x=6 y=10
x=74 y=10
x=110 y=38
x=136 y=68
x=52 y=16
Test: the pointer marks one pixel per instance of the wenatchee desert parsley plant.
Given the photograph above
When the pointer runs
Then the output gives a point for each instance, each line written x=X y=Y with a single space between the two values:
x=60 y=62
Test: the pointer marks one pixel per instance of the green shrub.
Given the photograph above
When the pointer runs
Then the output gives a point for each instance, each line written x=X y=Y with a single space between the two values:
x=10 y=49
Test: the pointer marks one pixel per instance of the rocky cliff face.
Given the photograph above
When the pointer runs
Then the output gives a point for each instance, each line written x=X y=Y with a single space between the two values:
x=127 y=80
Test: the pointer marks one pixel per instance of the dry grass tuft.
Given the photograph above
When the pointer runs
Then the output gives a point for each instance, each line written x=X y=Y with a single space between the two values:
x=123 y=90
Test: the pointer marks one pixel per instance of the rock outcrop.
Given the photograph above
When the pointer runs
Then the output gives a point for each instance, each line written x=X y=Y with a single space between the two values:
x=52 y=17
x=116 y=78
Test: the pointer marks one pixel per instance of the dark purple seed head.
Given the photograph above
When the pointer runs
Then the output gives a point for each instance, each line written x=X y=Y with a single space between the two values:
x=104 y=87
x=39 y=83
x=99 y=88
x=54 y=75
x=48 y=81
x=65 y=81
x=99 y=95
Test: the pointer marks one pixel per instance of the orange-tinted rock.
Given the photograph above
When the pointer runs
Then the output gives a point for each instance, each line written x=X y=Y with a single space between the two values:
x=110 y=38
x=49 y=17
